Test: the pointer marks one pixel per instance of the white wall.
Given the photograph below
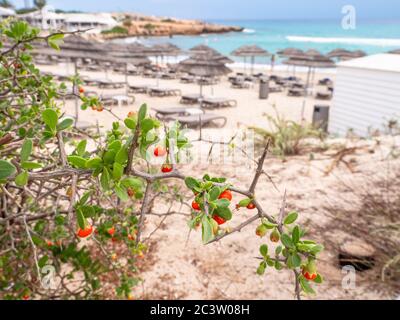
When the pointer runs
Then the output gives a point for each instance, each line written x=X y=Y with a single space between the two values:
x=364 y=99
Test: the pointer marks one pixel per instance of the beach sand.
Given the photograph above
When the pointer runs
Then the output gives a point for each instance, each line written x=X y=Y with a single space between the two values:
x=181 y=267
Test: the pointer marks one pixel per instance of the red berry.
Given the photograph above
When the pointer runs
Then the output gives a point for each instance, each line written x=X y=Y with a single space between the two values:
x=130 y=192
x=111 y=231
x=81 y=90
x=261 y=230
x=309 y=276
x=251 y=206
x=226 y=195
x=49 y=243
x=131 y=237
x=160 y=151
x=195 y=206
x=218 y=219
x=166 y=168
x=83 y=233
x=25 y=297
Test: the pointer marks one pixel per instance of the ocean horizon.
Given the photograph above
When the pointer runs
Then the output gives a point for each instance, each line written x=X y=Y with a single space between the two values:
x=371 y=36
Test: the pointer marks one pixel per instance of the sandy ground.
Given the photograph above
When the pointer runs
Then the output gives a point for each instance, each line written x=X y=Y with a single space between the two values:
x=183 y=268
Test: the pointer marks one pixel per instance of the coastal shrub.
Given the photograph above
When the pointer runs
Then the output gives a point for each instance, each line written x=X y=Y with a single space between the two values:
x=116 y=30
x=73 y=204
x=287 y=137
x=149 y=27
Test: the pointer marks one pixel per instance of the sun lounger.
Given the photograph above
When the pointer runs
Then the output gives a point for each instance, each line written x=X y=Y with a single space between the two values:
x=324 y=95
x=296 y=92
x=138 y=88
x=218 y=103
x=190 y=98
x=164 y=113
x=116 y=100
x=208 y=81
x=163 y=92
x=200 y=120
x=109 y=84
x=188 y=79
x=275 y=89
x=241 y=84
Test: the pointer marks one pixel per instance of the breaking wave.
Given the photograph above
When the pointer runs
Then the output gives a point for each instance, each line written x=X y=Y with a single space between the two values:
x=361 y=41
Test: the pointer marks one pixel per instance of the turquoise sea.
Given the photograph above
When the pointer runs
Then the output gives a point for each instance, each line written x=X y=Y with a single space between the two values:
x=370 y=36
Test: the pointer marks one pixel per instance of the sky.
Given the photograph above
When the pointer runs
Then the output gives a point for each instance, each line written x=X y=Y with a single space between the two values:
x=238 y=9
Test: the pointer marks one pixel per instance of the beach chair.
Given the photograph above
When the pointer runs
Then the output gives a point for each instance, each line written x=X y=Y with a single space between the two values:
x=164 y=113
x=275 y=89
x=163 y=92
x=241 y=84
x=190 y=98
x=109 y=84
x=213 y=103
x=138 y=88
x=116 y=100
x=198 y=120
x=187 y=79
x=324 y=95
x=295 y=92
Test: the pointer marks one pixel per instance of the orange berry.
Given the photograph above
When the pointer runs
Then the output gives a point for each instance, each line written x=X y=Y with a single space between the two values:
x=83 y=233
x=226 y=195
x=160 y=151
x=111 y=231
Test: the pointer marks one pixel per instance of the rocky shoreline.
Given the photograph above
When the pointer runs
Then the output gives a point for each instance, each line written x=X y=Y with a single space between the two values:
x=133 y=25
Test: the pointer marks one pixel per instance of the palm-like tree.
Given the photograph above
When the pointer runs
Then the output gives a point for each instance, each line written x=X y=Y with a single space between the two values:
x=40 y=3
x=6 y=4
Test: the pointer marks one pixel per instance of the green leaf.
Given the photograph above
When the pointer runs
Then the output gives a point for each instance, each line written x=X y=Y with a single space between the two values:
x=122 y=156
x=85 y=197
x=192 y=183
x=77 y=162
x=207 y=229
x=317 y=248
x=105 y=179
x=287 y=241
x=132 y=183
x=269 y=225
x=22 y=179
x=146 y=125
x=65 y=124
x=295 y=260
x=6 y=169
x=121 y=193
x=81 y=148
x=94 y=163
x=290 y=218
x=81 y=219
x=55 y=40
x=305 y=285
x=261 y=268
x=245 y=202
x=50 y=118
x=296 y=234
x=214 y=193
x=319 y=279
x=130 y=123
x=142 y=112
x=264 y=250
x=109 y=156
x=26 y=150
x=224 y=212
x=27 y=165
x=42 y=261
x=278 y=250
x=118 y=171
x=222 y=202
x=278 y=265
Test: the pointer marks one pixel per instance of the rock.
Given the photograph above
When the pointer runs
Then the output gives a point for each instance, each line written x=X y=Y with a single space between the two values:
x=357 y=248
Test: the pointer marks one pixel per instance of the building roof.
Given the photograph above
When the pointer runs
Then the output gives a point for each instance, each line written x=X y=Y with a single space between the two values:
x=380 y=62
x=101 y=18
x=6 y=12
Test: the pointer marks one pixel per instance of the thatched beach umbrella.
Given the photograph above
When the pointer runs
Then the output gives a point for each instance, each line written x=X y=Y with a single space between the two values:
x=78 y=43
x=204 y=65
x=290 y=52
x=251 y=51
x=397 y=51
x=343 y=54
x=311 y=59
x=204 y=49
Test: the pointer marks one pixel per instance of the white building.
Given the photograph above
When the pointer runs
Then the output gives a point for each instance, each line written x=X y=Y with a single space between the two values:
x=5 y=13
x=47 y=19
x=367 y=94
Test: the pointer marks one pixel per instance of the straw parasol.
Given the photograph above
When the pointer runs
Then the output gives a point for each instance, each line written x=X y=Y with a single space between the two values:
x=78 y=43
x=397 y=51
x=311 y=59
x=204 y=65
x=290 y=52
x=204 y=49
x=343 y=54
x=251 y=51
